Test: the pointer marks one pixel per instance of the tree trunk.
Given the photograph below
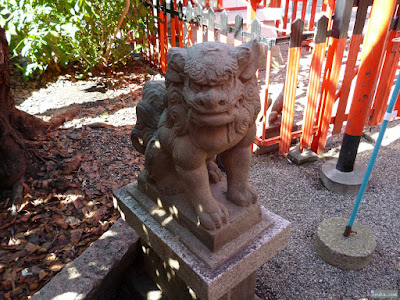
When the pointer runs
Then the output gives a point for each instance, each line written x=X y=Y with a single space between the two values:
x=16 y=127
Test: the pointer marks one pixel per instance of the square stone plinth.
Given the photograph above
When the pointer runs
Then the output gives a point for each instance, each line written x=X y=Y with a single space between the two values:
x=210 y=275
x=241 y=219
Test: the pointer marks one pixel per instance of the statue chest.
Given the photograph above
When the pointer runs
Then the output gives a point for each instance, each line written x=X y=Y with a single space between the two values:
x=215 y=140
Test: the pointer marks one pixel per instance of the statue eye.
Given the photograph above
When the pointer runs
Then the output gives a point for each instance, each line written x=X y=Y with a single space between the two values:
x=227 y=86
x=195 y=87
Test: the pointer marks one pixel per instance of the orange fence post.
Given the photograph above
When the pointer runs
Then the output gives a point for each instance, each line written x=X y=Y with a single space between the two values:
x=304 y=10
x=312 y=17
x=173 y=21
x=163 y=28
x=296 y=37
x=314 y=82
x=294 y=10
x=381 y=16
x=285 y=16
x=397 y=106
x=386 y=79
x=336 y=48
x=180 y=25
x=189 y=20
x=355 y=43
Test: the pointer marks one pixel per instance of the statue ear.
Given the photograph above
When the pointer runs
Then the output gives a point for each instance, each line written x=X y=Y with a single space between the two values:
x=176 y=58
x=248 y=56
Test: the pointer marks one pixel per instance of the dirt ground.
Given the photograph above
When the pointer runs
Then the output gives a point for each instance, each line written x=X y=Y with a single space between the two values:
x=72 y=172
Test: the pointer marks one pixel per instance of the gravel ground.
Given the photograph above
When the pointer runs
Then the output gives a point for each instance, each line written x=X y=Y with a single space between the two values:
x=295 y=193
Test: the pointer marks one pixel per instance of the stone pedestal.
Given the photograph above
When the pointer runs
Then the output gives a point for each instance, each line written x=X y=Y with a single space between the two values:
x=344 y=183
x=182 y=264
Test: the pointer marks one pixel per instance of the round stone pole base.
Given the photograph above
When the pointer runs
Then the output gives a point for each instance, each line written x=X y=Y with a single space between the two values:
x=344 y=183
x=347 y=253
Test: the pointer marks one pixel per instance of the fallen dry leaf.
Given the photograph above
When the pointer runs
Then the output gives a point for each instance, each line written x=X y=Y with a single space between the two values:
x=60 y=222
x=76 y=236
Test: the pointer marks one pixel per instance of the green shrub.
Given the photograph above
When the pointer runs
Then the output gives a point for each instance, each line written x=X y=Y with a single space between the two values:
x=55 y=33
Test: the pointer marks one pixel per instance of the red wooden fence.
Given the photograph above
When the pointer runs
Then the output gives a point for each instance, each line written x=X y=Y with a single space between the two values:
x=181 y=24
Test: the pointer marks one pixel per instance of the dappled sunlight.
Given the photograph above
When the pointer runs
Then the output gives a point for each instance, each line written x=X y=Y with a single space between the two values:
x=108 y=234
x=174 y=264
x=73 y=273
x=173 y=211
x=67 y=296
x=158 y=212
x=154 y=295
x=391 y=135
x=166 y=221
x=159 y=203
x=60 y=94
x=116 y=119
x=192 y=293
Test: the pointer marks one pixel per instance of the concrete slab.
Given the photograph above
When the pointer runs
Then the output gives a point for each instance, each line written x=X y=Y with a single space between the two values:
x=391 y=135
x=207 y=282
x=98 y=271
x=301 y=157
x=344 y=183
x=348 y=253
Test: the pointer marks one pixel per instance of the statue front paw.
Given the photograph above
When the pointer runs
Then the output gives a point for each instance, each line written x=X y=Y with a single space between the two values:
x=212 y=217
x=242 y=195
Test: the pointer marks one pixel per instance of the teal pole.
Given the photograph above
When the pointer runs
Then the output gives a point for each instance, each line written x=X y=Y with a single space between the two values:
x=373 y=157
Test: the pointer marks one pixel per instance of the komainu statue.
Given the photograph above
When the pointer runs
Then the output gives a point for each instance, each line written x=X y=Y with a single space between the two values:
x=207 y=106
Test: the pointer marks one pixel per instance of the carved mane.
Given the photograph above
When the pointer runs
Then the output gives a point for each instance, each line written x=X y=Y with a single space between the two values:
x=210 y=70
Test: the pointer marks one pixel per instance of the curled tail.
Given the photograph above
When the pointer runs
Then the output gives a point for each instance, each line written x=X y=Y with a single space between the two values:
x=148 y=113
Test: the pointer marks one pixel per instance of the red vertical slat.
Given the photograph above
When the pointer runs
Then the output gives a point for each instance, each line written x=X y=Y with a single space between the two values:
x=336 y=49
x=312 y=17
x=386 y=79
x=328 y=91
x=161 y=32
x=296 y=36
x=346 y=84
x=314 y=82
x=303 y=10
x=377 y=32
x=397 y=106
x=294 y=11
x=189 y=35
x=173 y=21
x=285 y=17
x=354 y=49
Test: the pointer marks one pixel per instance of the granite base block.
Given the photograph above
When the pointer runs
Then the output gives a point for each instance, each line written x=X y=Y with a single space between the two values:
x=227 y=274
x=344 y=183
x=98 y=271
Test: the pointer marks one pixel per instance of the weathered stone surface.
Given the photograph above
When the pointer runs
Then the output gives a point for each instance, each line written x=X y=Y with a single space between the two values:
x=208 y=106
x=231 y=266
x=241 y=218
x=132 y=196
x=97 y=273
x=344 y=183
x=302 y=157
x=348 y=253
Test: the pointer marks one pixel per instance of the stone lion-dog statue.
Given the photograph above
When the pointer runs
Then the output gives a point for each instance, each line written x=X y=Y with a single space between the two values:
x=207 y=106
